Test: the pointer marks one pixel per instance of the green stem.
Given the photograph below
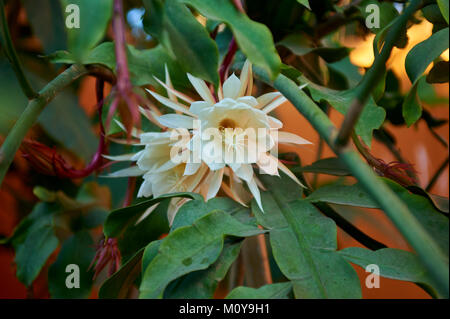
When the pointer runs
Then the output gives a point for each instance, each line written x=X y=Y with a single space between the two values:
x=31 y=113
x=429 y=252
x=12 y=55
x=374 y=74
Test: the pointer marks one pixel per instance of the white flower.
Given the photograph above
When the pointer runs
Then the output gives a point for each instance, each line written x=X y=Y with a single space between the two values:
x=231 y=116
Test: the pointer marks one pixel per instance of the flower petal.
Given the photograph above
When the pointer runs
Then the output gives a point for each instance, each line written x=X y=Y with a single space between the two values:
x=120 y=158
x=253 y=187
x=127 y=172
x=214 y=181
x=274 y=104
x=246 y=74
x=286 y=137
x=191 y=168
x=202 y=89
x=286 y=170
x=171 y=104
x=265 y=99
x=176 y=121
x=231 y=87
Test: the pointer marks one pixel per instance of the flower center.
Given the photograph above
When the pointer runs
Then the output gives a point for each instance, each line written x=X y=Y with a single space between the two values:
x=227 y=123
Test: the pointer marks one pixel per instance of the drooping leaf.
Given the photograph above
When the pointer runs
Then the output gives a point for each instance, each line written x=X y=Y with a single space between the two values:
x=118 y=285
x=191 y=248
x=393 y=263
x=76 y=250
x=272 y=291
x=94 y=17
x=421 y=56
x=188 y=41
x=34 y=241
x=136 y=236
x=304 y=243
x=444 y=6
x=122 y=218
x=254 y=39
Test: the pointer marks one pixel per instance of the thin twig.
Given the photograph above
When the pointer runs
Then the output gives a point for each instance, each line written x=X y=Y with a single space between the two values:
x=436 y=175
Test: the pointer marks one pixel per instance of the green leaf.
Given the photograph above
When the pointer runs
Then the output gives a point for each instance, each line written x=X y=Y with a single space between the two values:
x=118 y=220
x=352 y=195
x=387 y=13
x=188 y=41
x=151 y=228
x=118 y=285
x=143 y=64
x=443 y=5
x=431 y=219
x=195 y=209
x=203 y=283
x=191 y=248
x=301 y=45
x=393 y=263
x=272 y=291
x=371 y=118
x=305 y=3
x=329 y=166
x=34 y=241
x=254 y=39
x=304 y=243
x=51 y=33
x=78 y=250
x=421 y=56
x=94 y=18
x=411 y=108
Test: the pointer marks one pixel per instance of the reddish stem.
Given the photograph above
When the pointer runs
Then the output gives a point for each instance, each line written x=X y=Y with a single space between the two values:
x=225 y=67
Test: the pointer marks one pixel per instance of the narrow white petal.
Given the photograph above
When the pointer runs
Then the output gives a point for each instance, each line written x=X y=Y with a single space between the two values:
x=147 y=213
x=273 y=105
x=197 y=107
x=245 y=76
x=286 y=137
x=176 y=121
x=127 y=172
x=268 y=164
x=214 y=183
x=231 y=87
x=245 y=172
x=134 y=131
x=265 y=99
x=274 y=122
x=169 y=86
x=286 y=170
x=175 y=106
x=146 y=189
x=202 y=89
x=253 y=187
x=119 y=158
x=172 y=91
